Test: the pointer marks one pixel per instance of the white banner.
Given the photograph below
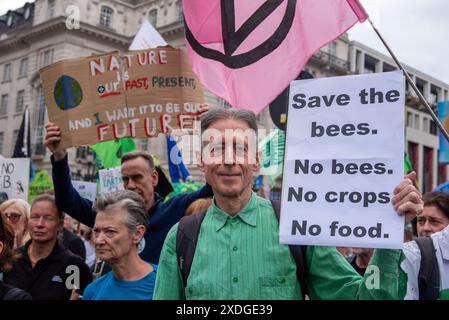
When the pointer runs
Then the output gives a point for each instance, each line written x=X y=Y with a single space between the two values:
x=86 y=190
x=110 y=180
x=344 y=157
x=14 y=177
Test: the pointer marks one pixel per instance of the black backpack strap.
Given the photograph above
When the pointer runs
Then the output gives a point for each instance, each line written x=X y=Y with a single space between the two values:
x=299 y=254
x=186 y=240
x=429 y=275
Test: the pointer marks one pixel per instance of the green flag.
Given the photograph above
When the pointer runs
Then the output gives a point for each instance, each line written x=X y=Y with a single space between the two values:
x=272 y=155
x=109 y=153
x=407 y=164
x=41 y=182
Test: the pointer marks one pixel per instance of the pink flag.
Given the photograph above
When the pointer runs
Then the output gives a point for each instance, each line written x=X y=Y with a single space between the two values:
x=248 y=51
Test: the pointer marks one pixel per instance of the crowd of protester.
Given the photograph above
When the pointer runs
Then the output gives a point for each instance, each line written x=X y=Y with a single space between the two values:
x=126 y=245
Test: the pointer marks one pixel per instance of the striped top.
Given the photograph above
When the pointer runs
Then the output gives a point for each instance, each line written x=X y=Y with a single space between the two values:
x=239 y=257
x=412 y=262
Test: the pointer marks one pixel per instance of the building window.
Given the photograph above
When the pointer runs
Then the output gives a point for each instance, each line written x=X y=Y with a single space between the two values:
x=144 y=144
x=14 y=140
x=20 y=101
x=7 y=72
x=442 y=173
x=51 y=8
x=428 y=169
x=2 y=136
x=425 y=125
x=433 y=98
x=106 y=16
x=433 y=128
x=4 y=105
x=412 y=150
x=332 y=48
x=409 y=120
x=370 y=64
x=420 y=85
x=224 y=104
x=387 y=67
x=434 y=93
x=40 y=120
x=23 y=70
x=46 y=57
x=82 y=153
x=416 y=126
x=152 y=17
x=179 y=11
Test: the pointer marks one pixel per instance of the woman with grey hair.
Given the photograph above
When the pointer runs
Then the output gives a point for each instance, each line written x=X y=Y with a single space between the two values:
x=120 y=225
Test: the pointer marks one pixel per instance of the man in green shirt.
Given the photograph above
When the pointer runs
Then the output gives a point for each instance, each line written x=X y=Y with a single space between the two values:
x=238 y=254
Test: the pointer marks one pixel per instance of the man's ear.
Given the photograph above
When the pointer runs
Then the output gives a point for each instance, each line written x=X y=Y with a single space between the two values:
x=155 y=177
x=1 y=247
x=139 y=234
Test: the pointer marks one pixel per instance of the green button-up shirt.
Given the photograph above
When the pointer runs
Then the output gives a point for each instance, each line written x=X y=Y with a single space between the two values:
x=240 y=257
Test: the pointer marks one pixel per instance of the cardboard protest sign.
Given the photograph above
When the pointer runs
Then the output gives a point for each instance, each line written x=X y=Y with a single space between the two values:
x=41 y=182
x=110 y=180
x=344 y=157
x=86 y=190
x=14 y=176
x=106 y=97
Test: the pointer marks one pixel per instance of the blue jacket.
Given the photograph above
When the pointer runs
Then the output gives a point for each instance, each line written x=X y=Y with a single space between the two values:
x=162 y=216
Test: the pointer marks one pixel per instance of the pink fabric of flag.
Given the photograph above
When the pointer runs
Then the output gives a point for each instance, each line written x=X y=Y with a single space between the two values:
x=248 y=51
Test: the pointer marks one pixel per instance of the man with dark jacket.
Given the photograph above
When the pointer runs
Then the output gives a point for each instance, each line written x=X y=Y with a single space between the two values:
x=74 y=243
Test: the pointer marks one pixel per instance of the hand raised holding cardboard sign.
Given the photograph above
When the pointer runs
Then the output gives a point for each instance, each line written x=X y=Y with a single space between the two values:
x=108 y=97
x=52 y=141
x=53 y=135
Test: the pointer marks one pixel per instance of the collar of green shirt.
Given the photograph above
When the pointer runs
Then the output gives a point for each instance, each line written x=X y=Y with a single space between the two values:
x=248 y=214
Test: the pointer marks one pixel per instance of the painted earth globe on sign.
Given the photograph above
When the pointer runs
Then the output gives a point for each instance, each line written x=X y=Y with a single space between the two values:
x=68 y=93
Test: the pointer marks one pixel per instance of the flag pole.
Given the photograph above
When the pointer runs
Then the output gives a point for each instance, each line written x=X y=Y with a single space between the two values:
x=410 y=81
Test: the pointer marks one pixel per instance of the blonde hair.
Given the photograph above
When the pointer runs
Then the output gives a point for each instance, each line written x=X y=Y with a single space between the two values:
x=24 y=209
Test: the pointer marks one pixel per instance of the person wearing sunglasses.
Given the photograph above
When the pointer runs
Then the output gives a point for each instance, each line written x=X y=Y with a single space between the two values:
x=16 y=213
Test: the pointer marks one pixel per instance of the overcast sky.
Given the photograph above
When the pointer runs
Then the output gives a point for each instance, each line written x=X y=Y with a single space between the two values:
x=416 y=30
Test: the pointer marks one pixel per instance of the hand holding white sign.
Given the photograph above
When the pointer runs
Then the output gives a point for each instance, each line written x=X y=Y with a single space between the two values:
x=344 y=157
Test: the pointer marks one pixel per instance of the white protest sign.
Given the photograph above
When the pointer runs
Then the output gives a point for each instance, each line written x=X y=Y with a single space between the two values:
x=86 y=190
x=110 y=180
x=14 y=177
x=344 y=157
x=147 y=37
